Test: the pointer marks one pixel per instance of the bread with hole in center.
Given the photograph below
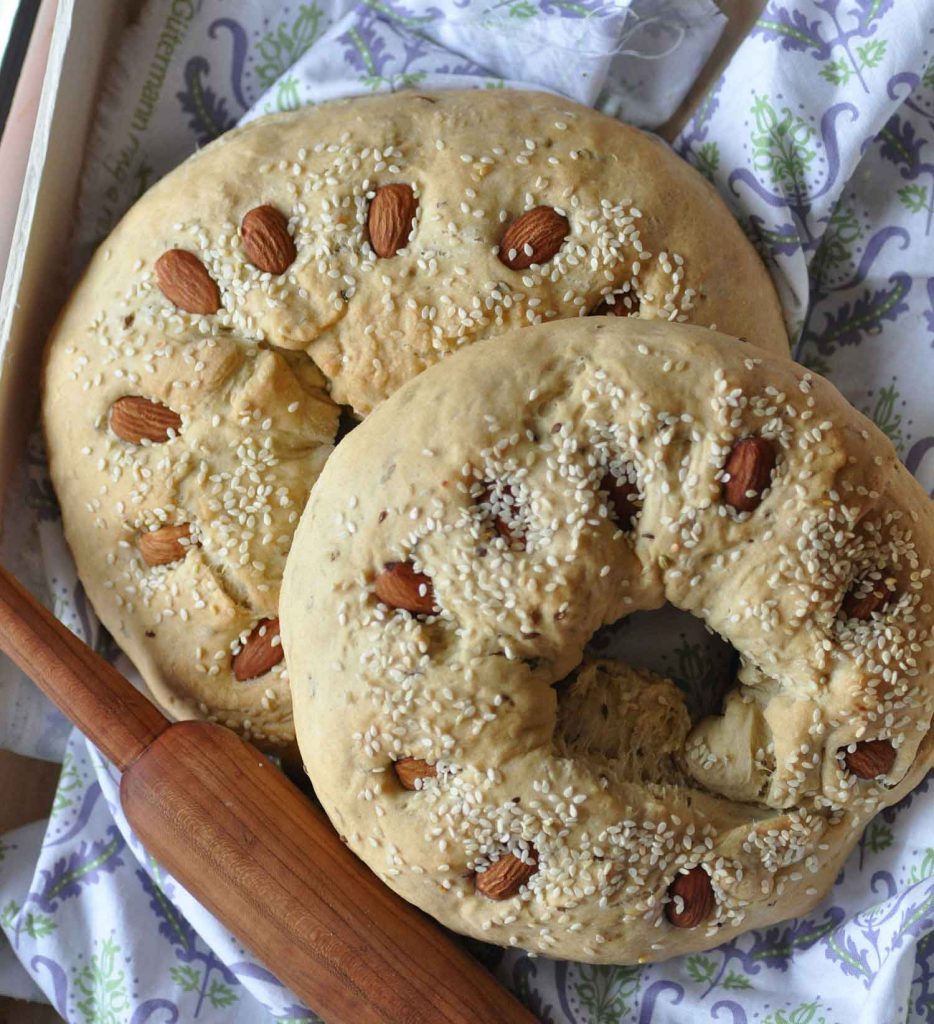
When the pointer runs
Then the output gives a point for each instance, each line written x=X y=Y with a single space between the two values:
x=465 y=542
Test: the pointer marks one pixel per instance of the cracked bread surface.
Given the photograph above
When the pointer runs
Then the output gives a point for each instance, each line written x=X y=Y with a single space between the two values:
x=465 y=752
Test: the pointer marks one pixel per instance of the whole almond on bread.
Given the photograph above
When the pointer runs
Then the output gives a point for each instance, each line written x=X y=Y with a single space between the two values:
x=400 y=586
x=505 y=877
x=261 y=652
x=692 y=899
x=165 y=545
x=871 y=759
x=748 y=473
x=389 y=222
x=534 y=237
x=184 y=280
x=410 y=769
x=860 y=603
x=266 y=239
x=135 y=419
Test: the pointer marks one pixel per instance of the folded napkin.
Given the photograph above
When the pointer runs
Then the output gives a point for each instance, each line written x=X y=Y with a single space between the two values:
x=818 y=136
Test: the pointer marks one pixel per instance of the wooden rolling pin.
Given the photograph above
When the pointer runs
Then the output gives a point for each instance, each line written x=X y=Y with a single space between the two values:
x=245 y=842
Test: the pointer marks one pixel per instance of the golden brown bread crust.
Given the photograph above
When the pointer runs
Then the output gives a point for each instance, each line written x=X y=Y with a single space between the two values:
x=525 y=761
x=256 y=419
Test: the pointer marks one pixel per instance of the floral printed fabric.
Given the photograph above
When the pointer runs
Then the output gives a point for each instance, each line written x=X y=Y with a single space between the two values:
x=821 y=135
x=106 y=933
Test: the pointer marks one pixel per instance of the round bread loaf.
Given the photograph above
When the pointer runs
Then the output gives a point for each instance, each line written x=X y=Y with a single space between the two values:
x=462 y=546
x=185 y=420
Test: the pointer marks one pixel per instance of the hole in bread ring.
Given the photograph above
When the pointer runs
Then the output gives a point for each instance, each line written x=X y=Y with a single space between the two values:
x=347 y=422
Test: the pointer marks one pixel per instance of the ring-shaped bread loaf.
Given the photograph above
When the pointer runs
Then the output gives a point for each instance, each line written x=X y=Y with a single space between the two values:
x=462 y=546
x=185 y=420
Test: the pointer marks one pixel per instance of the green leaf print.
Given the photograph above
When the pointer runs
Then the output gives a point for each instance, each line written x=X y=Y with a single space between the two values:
x=845 y=225
x=806 y=1013
x=801 y=941
x=913 y=197
x=406 y=81
x=918 y=914
x=522 y=10
x=281 y=48
x=187 y=978
x=928 y=77
x=924 y=868
x=762 y=237
x=837 y=72
x=287 y=94
x=734 y=981
x=842 y=69
x=8 y=914
x=871 y=54
x=68 y=783
x=885 y=417
x=699 y=672
x=701 y=968
x=839 y=241
x=579 y=9
x=878 y=837
x=392 y=13
x=102 y=983
x=221 y=995
x=38 y=926
x=707 y=160
x=409 y=80
x=606 y=991
x=781 y=145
